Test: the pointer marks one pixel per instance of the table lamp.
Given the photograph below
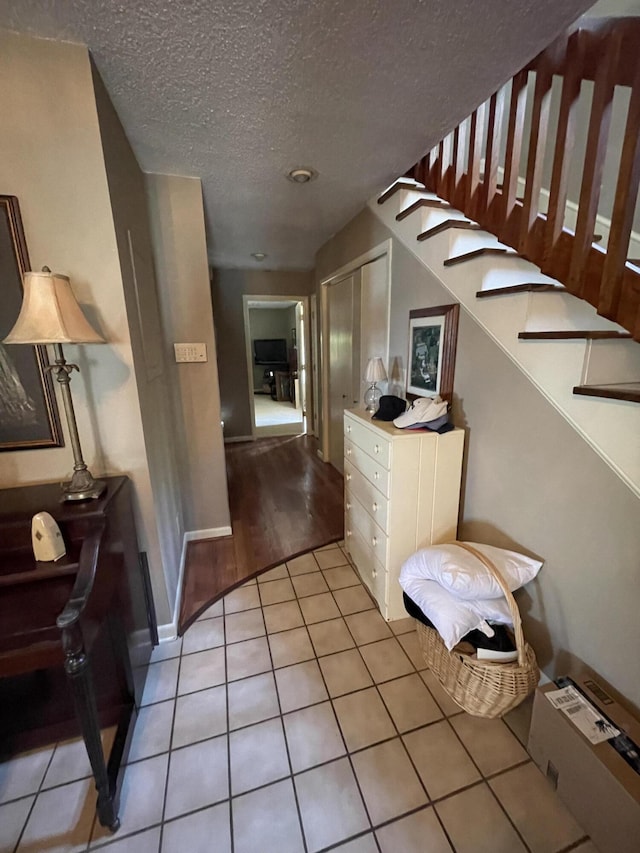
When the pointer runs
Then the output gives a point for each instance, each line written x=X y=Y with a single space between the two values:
x=375 y=372
x=51 y=315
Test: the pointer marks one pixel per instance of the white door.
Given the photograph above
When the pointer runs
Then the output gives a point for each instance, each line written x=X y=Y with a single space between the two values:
x=301 y=381
x=314 y=362
x=344 y=366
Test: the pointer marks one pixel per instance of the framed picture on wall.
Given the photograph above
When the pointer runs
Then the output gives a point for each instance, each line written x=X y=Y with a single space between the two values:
x=433 y=333
x=28 y=411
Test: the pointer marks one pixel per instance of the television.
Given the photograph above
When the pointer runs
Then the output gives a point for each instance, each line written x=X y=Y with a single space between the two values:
x=270 y=351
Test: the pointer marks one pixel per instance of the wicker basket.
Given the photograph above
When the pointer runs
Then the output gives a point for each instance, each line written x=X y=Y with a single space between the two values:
x=482 y=688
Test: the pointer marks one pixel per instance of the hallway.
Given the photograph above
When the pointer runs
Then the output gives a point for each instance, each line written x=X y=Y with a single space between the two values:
x=283 y=501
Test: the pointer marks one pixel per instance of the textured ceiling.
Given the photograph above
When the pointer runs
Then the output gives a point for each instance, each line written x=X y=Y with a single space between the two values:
x=238 y=93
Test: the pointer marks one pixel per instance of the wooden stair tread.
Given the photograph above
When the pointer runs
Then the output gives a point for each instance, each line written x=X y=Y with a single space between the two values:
x=438 y=204
x=478 y=253
x=573 y=334
x=460 y=224
x=527 y=287
x=400 y=184
x=629 y=391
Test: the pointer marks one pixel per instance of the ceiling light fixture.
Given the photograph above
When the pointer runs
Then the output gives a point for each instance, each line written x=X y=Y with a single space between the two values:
x=302 y=175
x=259 y=256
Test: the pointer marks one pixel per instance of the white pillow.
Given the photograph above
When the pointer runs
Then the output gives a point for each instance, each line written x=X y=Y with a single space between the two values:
x=452 y=617
x=465 y=576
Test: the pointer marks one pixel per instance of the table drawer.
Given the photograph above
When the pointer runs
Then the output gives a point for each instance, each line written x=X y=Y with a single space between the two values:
x=372 y=469
x=377 y=446
x=371 y=499
x=373 y=535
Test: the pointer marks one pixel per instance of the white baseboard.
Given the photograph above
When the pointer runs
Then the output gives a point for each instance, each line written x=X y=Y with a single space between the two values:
x=237 y=438
x=208 y=533
x=320 y=454
x=169 y=631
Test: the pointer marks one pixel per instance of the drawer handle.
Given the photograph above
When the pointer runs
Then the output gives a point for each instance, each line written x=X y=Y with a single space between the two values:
x=374 y=541
x=376 y=448
x=374 y=506
x=348 y=505
x=348 y=451
x=374 y=574
x=348 y=533
x=348 y=477
x=348 y=429
x=376 y=475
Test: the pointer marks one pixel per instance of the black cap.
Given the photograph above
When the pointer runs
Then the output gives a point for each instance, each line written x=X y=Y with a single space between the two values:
x=390 y=407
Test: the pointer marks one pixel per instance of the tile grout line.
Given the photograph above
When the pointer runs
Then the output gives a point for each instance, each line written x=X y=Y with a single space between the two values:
x=347 y=754
x=486 y=783
x=173 y=724
x=226 y=693
x=286 y=743
x=35 y=795
x=402 y=743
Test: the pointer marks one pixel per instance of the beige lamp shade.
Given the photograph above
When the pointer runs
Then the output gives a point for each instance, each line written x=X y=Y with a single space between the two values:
x=375 y=370
x=50 y=314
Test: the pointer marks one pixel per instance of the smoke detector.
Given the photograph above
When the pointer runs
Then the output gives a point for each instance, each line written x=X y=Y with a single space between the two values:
x=259 y=256
x=302 y=175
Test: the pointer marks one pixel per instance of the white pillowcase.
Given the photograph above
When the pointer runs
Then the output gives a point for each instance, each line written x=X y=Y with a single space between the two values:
x=465 y=576
x=451 y=616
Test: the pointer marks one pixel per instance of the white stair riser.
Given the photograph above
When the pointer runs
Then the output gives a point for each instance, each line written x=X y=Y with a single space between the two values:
x=555 y=312
x=407 y=197
x=429 y=217
x=612 y=361
x=461 y=242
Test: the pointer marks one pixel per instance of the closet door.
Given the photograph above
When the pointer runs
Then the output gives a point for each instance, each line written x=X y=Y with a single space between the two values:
x=344 y=361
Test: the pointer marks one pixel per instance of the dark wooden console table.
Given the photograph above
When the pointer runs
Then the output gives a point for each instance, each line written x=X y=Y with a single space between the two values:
x=75 y=637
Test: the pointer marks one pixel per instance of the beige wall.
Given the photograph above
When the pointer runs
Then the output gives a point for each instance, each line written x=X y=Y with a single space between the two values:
x=530 y=482
x=131 y=221
x=51 y=159
x=228 y=287
x=177 y=220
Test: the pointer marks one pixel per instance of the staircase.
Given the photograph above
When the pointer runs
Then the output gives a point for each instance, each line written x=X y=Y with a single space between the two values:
x=555 y=282
x=584 y=88
x=556 y=338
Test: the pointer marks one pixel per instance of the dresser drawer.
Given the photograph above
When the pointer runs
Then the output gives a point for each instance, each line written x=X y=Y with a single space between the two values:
x=371 y=572
x=374 y=444
x=373 y=535
x=371 y=499
x=372 y=469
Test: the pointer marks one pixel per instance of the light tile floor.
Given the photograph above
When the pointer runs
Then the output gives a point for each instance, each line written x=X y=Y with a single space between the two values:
x=292 y=719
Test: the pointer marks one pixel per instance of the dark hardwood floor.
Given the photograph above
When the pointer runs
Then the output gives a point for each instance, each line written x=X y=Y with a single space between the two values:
x=283 y=501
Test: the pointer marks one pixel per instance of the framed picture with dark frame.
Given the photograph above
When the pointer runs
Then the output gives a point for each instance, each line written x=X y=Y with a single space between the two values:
x=28 y=410
x=433 y=334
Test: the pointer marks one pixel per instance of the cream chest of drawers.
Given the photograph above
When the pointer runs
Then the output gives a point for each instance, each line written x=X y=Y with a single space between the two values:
x=402 y=492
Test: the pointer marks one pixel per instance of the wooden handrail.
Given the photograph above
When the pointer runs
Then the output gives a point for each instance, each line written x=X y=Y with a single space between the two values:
x=465 y=168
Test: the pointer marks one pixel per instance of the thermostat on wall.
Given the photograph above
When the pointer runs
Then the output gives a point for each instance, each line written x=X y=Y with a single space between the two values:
x=190 y=352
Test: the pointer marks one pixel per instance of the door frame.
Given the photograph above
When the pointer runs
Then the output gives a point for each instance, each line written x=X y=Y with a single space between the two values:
x=379 y=251
x=263 y=297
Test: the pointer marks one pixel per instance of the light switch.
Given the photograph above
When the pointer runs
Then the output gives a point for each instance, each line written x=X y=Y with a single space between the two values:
x=190 y=352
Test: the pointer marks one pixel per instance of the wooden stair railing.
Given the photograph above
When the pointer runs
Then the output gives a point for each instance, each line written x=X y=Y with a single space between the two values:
x=464 y=168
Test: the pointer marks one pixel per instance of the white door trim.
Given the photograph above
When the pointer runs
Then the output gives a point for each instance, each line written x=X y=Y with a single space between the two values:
x=382 y=249
x=271 y=297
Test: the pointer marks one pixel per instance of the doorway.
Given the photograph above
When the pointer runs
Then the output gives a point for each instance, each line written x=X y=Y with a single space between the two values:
x=276 y=342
